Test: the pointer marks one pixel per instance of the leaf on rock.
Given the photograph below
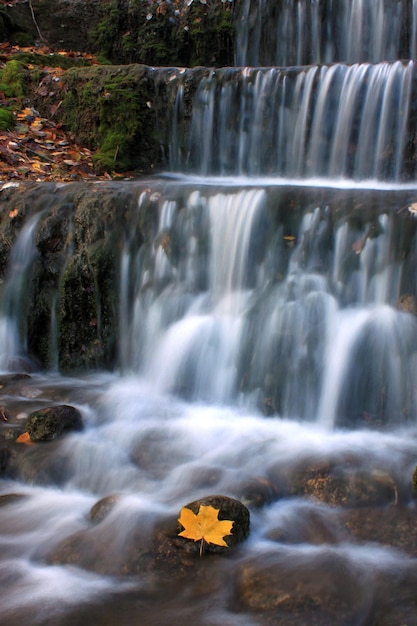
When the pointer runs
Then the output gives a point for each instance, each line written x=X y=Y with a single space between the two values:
x=205 y=525
x=24 y=438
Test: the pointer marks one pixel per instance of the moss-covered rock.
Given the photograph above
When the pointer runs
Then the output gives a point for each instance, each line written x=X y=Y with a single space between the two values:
x=110 y=108
x=13 y=78
x=127 y=31
x=50 y=422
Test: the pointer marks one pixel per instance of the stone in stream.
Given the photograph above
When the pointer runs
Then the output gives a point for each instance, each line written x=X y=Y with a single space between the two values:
x=5 y=458
x=130 y=542
x=48 y=423
x=227 y=509
x=102 y=508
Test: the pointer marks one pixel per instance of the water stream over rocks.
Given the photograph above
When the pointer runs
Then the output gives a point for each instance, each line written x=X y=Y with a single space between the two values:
x=247 y=330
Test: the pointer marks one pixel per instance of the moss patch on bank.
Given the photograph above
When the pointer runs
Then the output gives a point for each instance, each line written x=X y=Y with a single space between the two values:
x=110 y=108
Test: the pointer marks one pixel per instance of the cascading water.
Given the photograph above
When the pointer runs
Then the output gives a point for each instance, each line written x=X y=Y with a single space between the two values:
x=265 y=340
x=13 y=301
x=306 y=32
x=332 y=122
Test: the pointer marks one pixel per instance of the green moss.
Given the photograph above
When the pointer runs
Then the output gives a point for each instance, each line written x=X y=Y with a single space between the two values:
x=109 y=109
x=87 y=311
x=50 y=60
x=23 y=39
x=104 y=37
x=7 y=120
x=12 y=79
x=165 y=33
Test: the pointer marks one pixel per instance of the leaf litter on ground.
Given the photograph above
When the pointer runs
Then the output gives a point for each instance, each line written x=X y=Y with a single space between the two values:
x=39 y=148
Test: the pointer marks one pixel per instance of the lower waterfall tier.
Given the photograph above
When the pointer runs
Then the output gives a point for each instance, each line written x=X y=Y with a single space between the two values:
x=298 y=300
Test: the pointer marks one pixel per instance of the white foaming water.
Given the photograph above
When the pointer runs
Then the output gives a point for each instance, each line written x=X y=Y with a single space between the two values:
x=156 y=453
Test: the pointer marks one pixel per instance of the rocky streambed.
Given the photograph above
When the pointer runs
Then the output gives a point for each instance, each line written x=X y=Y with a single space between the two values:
x=332 y=517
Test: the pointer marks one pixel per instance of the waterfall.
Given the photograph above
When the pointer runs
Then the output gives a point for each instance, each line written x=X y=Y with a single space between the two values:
x=309 y=32
x=244 y=324
x=14 y=300
x=235 y=300
x=333 y=122
x=187 y=323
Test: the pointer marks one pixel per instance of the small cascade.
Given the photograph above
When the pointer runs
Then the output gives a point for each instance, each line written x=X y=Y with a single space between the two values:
x=233 y=298
x=307 y=32
x=13 y=331
x=199 y=275
x=332 y=122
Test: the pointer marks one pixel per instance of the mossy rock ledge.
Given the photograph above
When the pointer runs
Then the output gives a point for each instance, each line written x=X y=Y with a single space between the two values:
x=121 y=112
x=126 y=31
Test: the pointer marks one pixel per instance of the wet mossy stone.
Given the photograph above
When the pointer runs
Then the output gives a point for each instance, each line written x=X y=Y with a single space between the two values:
x=228 y=509
x=5 y=458
x=49 y=423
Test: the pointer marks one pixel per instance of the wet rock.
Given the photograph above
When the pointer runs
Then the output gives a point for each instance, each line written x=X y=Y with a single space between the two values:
x=102 y=508
x=135 y=542
x=48 y=464
x=257 y=492
x=7 y=379
x=339 y=483
x=228 y=509
x=128 y=543
x=12 y=433
x=305 y=523
x=11 y=498
x=148 y=453
x=407 y=302
x=318 y=586
x=50 y=422
x=394 y=526
x=5 y=458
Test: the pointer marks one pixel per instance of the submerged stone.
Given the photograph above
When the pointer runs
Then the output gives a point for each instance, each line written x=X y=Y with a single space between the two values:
x=12 y=498
x=337 y=482
x=100 y=510
x=321 y=587
x=390 y=526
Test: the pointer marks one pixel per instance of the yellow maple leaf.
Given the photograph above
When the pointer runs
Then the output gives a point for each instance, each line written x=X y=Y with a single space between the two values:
x=205 y=525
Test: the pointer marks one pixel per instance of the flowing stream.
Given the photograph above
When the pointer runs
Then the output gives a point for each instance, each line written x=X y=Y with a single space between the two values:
x=266 y=351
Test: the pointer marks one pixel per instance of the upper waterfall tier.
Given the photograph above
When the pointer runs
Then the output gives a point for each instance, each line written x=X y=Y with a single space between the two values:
x=338 y=121
x=306 y=32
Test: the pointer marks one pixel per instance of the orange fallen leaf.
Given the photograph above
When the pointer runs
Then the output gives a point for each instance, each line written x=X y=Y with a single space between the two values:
x=205 y=526
x=13 y=213
x=24 y=438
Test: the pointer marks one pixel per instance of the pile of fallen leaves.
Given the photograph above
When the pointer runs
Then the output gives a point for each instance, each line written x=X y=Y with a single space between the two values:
x=38 y=148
